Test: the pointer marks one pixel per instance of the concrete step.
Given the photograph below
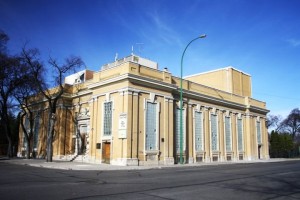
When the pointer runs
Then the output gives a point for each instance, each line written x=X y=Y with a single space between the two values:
x=79 y=158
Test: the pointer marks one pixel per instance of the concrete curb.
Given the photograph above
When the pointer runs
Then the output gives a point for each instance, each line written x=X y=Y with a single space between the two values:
x=66 y=165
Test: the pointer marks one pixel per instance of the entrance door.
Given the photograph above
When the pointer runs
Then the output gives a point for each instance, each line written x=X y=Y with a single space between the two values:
x=82 y=142
x=106 y=152
x=259 y=146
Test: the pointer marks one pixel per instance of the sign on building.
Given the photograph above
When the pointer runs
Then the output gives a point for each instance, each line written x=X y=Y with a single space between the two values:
x=123 y=126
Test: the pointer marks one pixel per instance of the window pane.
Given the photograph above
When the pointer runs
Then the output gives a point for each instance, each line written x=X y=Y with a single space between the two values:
x=151 y=126
x=177 y=129
x=214 y=133
x=107 y=118
x=198 y=131
x=240 y=134
x=258 y=132
x=228 y=134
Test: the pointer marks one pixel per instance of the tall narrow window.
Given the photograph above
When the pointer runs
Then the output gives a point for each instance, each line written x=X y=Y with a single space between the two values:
x=214 y=132
x=177 y=129
x=240 y=134
x=228 y=134
x=198 y=131
x=258 y=132
x=36 y=130
x=151 y=133
x=107 y=118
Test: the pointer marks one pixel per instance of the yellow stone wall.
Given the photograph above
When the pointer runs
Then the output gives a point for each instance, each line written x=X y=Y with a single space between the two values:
x=227 y=79
x=129 y=86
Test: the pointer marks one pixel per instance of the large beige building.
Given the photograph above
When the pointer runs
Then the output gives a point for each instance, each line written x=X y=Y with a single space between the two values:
x=127 y=113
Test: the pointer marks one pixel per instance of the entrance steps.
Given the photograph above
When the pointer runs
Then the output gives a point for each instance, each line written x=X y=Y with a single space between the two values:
x=74 y=158
x=80 y=158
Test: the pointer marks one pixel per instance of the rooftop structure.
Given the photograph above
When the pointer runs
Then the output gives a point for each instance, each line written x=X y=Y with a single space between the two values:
x=131 y=58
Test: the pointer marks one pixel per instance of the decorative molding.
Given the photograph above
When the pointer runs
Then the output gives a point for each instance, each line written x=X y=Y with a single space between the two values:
x=227 y=113
x=173 y=87
x=198 y=106
x=152 y=97
x=129 y=91
x=107 y=97
x=239 y=115
x=214 y=110
x=84 y=114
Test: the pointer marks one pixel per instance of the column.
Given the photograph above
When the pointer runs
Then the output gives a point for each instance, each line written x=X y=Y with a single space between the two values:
x=221 y=136
x=207 y=144
x=189 y=135
x=168 y=131
x=247 y=137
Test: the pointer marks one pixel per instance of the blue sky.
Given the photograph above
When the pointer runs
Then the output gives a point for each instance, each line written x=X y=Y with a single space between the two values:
x=261 y=38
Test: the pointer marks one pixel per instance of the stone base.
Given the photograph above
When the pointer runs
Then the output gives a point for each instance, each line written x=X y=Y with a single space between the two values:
x=235 y=159
x=207 y=159
x=249 y=158
x=191 y=160
x=125 y=162
x=169 y=161
x=94 y=161
x=149 y=163
x=222 y=159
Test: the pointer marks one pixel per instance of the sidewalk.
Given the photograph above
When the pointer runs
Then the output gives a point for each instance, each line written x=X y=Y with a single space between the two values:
x=66 y=165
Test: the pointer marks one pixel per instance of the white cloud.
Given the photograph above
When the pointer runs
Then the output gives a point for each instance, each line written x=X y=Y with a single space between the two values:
x=294 y=42
x=159 y=27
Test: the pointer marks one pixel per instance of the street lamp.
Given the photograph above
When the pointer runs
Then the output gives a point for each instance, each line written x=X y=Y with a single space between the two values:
x=181 y=100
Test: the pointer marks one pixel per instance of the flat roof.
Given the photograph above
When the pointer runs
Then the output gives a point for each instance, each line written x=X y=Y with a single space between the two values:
x=225 y=68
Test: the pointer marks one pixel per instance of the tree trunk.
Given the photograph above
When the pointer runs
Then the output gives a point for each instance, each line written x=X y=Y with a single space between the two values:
x=28 y=149
x=50 y=138
x=10 y=147
x=8 y=136
x=27 y=136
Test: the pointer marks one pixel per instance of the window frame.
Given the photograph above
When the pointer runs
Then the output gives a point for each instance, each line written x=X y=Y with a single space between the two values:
x=238 y=134
x=177 y=134
x=106 y=136
x=258 y=132
x=201 y=132
x=156 y=142
x=211 y=132
x=230 y=133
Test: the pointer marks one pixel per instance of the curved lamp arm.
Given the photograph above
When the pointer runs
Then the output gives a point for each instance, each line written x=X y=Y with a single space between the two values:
x=181 y=100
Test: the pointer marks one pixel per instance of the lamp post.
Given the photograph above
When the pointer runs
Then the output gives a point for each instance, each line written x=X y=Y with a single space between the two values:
x=181 y=100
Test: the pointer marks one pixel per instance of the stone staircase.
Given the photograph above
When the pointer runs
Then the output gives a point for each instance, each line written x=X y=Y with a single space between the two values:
x=74 y=158
x=79 y=158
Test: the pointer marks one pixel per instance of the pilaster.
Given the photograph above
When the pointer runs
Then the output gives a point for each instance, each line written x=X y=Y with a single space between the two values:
x=189 y=135
x=207 y=143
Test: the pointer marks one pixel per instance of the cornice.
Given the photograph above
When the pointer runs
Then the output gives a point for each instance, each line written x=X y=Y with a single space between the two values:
x=173 y=88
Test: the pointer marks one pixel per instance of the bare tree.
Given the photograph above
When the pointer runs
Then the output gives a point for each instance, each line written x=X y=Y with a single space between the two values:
x=52 y=95
x=273 y=121
x=10 y=79
x=22 y=94
x=292 y=123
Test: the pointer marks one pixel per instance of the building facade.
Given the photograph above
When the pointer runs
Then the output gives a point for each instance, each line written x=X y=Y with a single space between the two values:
x=128 y=113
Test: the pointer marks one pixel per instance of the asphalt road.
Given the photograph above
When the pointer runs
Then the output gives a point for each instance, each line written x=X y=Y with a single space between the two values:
x=279 y=180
